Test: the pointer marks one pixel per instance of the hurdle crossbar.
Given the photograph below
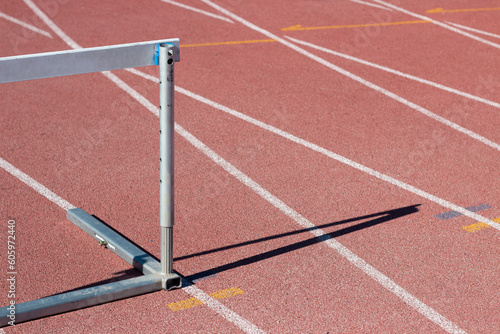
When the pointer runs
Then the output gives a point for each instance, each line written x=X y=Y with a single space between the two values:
x=79 y=61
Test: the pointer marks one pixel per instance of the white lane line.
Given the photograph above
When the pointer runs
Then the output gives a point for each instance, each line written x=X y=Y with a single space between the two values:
x=376 y=275
x=25 y=25
x=215 y=305
x=341 y=159
x=328 y=153
x=143 y=75
x=35 y=185
x=52 y=25
x=370 y=4
x=379 y=89
x=175 y=3
x=404 y=75
x=231 y=316
x=212 y=303
x=228 y=314
x=332 y=243
x=129 y=90
x=474 y=30
x=387 y=93
x=441 y=24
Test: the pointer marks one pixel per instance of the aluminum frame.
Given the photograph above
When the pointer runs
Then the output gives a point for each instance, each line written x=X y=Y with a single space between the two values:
x=158 y=274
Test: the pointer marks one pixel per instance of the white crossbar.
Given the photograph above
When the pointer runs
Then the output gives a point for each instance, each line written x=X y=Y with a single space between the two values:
x=88 y=60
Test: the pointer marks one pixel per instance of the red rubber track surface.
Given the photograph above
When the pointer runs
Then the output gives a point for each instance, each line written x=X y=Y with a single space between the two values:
x=92 y=144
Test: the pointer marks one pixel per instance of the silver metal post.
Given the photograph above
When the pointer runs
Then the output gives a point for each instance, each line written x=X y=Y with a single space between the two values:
x=166 y=63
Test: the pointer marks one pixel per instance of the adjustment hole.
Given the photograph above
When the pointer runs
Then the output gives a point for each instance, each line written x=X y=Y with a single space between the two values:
x=170 y=61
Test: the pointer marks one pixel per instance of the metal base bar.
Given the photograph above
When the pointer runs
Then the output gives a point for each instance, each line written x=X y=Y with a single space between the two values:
x=79 y=299
x=128 y=251
x=115 y=242
x=171 y=281
x=154 y=280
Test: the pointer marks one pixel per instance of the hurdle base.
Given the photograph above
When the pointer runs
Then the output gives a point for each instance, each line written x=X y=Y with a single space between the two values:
x=153 y=280
x=75 y=300
x=171 y=281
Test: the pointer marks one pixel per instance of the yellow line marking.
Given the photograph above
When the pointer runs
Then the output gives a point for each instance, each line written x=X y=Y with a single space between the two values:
x=192 y=302
x=475 y=227
x=299 y=27
x=228 y=43
x=441 y=10
x=231 y=292
x=479 y=226
x=185 y=304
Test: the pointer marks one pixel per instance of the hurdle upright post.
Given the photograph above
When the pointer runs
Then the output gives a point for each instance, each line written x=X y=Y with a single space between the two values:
x=166 y=65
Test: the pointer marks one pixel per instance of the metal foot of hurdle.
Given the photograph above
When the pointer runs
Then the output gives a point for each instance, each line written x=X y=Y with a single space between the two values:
x=157 y=275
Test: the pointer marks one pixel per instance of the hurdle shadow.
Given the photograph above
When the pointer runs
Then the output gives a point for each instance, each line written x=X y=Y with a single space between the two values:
x=375 y=219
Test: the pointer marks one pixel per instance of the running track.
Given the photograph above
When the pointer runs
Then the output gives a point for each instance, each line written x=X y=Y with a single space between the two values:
x=309 y=171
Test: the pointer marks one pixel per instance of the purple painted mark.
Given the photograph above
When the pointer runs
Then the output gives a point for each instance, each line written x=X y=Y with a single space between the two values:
x=452 y=214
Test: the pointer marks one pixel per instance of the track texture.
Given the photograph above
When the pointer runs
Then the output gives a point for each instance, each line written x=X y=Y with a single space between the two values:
x=269 y=202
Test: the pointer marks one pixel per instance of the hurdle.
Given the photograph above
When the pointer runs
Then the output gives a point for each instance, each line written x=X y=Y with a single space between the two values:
x=158 y=275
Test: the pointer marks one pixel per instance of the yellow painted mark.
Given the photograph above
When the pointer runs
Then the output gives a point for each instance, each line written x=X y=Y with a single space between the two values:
x=185 y=304
x=475 y=227
x=441 y=10
x=226 y=293
x=192 y=302
x=479 y=226
x=228 y=43
x=299 y=27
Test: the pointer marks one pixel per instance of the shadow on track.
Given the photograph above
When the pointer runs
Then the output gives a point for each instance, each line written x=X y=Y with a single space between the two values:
x=378 y=218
